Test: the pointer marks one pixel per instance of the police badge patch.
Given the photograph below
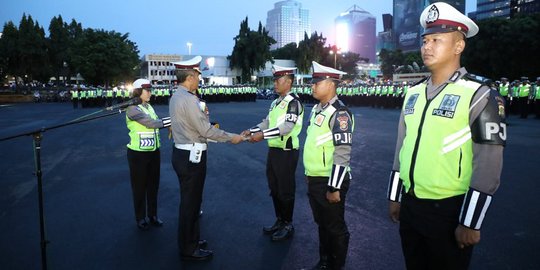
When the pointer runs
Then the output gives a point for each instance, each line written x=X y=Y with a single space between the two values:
x=433 y=14
x=343 y=119
x=409 y=106
x=448 y=105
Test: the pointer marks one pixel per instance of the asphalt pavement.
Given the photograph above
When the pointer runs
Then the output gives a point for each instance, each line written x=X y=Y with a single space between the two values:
x=89 y=219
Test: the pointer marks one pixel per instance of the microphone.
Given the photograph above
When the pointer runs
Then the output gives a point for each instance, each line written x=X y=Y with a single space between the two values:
x=133 y=101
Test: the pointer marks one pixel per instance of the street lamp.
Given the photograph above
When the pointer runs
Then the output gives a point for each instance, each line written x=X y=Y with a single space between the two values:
x=189 y=44
x=335 y=53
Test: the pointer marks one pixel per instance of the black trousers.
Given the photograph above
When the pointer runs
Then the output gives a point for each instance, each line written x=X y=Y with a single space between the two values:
x=280 y=172
x=144 y=170
x=427 y=233
x=330 y=217
x=191 y=177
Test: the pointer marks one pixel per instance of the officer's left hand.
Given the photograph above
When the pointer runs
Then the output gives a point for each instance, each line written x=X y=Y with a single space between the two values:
x=466 y=237
x=170 y=133
x=333 y=197
x=256 y=137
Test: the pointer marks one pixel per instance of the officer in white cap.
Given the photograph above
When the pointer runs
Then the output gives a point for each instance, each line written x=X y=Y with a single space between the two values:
x=143 y=154
x=449 y=150
x=281 y=128
x=327 y=153
x=191 y=130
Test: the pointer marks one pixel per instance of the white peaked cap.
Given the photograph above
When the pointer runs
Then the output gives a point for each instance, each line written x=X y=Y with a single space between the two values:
x=321 y=72
x=441 y=17
x=191 y=64
x=142 y=83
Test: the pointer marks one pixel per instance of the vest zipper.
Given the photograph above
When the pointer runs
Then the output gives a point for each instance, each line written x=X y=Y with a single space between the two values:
x=323 y=158
x=460 y=158
x=417 y=142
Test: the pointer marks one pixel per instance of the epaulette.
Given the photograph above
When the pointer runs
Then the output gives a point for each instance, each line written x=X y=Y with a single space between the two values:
x=420 y=81
x=474 y=78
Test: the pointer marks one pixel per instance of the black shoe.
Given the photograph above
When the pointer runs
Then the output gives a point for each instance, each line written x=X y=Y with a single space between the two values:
x=198 y=255
x=156 y=221
x=284 y=233
x=322 y=264
x=142 y=224
x=272 y=229
x=203 y=243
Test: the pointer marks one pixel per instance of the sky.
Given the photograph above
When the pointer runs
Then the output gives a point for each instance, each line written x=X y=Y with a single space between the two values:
x=166 y=26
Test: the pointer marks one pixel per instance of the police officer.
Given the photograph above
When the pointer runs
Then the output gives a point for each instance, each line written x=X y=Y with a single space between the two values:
x=143 y=154
x=448 y=157
x=327 y=153
x=536 y=97
x=191 y=130
x=504 y=92
x=281 y=128
x=524 y=95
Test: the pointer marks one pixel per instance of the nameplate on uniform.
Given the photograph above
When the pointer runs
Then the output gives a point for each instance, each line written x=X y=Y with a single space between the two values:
x=319 y=119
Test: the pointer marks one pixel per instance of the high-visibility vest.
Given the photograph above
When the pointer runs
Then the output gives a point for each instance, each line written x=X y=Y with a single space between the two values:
x=142 y=138
x=277 y=116
x=436 y=155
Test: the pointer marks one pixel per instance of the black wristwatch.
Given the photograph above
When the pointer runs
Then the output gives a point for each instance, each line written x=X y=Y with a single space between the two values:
x=332 y=189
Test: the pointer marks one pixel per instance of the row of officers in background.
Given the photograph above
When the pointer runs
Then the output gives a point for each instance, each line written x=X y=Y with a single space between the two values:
x=522 y=97
x=97 y=97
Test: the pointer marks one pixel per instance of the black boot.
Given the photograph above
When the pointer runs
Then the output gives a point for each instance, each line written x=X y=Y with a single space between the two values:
x=284 y=233
x=272 y=229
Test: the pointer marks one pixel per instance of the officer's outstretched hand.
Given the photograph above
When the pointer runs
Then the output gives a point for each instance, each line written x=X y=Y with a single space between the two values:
x=236 y=139
x=256 y=137
x=466 y=237
x=393 y=211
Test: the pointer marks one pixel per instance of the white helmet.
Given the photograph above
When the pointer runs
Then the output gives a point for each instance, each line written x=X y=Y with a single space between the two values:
x=142 y=83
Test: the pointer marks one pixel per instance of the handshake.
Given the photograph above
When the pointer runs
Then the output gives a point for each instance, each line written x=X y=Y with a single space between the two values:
x=247 y=136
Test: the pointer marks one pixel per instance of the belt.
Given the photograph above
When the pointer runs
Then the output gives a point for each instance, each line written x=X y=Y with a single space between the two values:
x=189 y=146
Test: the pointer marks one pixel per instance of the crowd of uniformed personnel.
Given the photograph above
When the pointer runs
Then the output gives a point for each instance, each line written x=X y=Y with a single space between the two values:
x=99 y=97
x=386 y=94
x=522 y=97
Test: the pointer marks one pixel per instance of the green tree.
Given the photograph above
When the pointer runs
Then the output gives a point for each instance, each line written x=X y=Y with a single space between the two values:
x=251 y=50
x=9 y=50
x=505 y=48
x=105 y=57
x=75 y=33
x=58 y=46
x=289 y=51
x=310 y=49
x=33 y=58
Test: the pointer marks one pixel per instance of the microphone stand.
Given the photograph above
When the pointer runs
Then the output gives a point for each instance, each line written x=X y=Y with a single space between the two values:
x=37 y=136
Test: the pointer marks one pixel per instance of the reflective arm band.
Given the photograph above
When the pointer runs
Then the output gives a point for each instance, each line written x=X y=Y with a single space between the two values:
x=395 y=185
x=166 y=121
x=474 y=208
x=336 y=178
x=254 y=129
x=271 y=133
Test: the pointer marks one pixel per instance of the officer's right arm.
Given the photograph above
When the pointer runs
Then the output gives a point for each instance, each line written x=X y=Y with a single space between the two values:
x=200 y=122
x=395 y=184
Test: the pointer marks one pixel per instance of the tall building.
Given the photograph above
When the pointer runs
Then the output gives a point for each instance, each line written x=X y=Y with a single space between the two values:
x=287 y=23
x=406 y=22
x=505 y=8
x=356 y=32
